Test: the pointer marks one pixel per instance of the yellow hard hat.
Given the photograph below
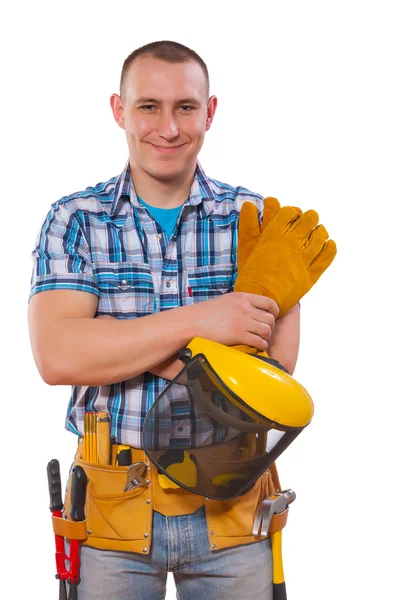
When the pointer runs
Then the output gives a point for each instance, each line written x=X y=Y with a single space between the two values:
x=235 y=413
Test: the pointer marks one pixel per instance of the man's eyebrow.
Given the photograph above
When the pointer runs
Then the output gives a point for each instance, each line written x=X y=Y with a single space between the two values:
x=189 y=101
x=143 y=100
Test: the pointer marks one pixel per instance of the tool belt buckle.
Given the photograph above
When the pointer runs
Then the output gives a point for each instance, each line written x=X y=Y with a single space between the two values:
x=274 y=504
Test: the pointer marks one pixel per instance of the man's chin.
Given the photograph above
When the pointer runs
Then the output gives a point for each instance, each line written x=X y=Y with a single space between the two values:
x=167 y=172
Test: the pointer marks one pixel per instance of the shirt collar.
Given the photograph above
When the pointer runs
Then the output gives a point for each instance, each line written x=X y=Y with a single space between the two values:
x=200 y=192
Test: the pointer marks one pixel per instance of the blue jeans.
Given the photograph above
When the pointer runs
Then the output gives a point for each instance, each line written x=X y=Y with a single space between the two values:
x=180 y=545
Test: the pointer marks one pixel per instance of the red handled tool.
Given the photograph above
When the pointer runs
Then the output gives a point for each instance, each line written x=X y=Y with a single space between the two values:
x=77 y=513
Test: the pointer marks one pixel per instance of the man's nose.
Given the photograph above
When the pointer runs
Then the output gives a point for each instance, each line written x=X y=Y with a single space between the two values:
x=167 y=127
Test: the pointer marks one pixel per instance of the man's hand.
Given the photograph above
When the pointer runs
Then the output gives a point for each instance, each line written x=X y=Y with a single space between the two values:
x=237 y=318
x=230 y=319
x=234 y=318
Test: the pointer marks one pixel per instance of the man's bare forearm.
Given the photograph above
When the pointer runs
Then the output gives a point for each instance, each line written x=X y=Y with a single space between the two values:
x=169 y=369
x=87 y=351
x=283 y=346
x=73 y=347
x=285 y=340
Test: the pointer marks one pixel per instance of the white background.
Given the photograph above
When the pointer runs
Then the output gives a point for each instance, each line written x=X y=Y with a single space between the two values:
x=308 y=112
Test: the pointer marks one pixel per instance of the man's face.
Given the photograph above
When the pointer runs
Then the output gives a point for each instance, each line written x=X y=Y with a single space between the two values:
x=165 y=112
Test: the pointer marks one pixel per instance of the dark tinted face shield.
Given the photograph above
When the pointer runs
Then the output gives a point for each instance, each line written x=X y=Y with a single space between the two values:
x=205 y=439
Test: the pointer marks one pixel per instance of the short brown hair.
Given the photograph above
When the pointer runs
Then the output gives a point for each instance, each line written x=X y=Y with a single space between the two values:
x=171 y=52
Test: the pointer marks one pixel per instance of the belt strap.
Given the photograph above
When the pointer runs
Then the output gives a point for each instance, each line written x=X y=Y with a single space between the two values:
x=278 y=521
x=74 y=530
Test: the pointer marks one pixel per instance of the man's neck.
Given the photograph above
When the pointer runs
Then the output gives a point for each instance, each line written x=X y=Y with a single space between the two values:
x=162 y=193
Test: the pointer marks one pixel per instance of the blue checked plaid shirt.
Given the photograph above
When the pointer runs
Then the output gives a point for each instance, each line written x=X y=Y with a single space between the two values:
x=102 y=241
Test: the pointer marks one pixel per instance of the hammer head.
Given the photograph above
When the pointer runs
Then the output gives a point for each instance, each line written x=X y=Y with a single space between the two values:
x=269 y=507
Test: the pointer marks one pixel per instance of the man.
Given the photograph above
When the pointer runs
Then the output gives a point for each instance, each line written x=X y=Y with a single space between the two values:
x=126 y=274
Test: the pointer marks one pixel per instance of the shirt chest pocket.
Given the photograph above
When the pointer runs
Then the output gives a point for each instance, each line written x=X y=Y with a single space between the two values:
x=210 y=281
x=126 y=289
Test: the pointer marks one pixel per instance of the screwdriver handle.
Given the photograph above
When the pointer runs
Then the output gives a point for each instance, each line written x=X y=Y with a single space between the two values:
x=54 y=480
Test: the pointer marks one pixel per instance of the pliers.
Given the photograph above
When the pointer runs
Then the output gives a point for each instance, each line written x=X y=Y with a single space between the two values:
x=77 y=513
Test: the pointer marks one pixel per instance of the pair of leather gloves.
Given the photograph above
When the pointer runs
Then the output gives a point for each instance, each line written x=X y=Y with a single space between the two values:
x=284 y=256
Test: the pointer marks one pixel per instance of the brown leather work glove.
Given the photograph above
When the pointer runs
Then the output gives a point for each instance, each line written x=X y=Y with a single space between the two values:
x=250 y=230
x=284 y=257
x=290 y=256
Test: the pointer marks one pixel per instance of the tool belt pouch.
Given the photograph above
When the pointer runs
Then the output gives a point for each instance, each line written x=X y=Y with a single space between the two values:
x=115 y=520
x=231 y=521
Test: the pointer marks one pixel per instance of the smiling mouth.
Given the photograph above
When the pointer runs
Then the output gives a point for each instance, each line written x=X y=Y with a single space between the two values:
x=166 y=148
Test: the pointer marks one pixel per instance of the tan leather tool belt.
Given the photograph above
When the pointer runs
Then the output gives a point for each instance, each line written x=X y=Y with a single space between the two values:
x=122 y=520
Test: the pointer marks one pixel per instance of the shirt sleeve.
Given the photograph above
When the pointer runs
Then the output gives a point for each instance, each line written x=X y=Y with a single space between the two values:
x=61 y=258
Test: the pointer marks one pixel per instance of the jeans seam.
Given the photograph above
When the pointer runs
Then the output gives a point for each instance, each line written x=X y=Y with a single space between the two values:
x=189 y=539
x=169 y=568
x=186 y=534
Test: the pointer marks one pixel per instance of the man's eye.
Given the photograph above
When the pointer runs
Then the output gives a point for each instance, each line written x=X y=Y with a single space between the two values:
x=147 y=106
x=188 y=107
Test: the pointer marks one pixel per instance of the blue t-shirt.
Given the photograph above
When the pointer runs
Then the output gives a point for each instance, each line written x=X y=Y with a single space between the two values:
x=165 y=217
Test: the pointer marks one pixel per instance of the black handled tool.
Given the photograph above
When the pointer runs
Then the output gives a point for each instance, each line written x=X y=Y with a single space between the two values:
x=78 y=494
x=54 y=480
x=56 y=507
x=77 y=513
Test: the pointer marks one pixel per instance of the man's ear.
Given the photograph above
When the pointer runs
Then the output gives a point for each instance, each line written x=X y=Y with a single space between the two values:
x=118 y=110
x=211 y=108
